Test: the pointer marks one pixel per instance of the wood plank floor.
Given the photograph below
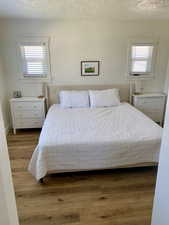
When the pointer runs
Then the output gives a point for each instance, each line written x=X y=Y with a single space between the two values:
x=112 y=197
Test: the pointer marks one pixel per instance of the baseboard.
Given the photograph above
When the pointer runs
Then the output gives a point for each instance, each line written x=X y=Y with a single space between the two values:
x=7 y=129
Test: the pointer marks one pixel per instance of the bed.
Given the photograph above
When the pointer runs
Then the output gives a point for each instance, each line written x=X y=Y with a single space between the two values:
x=82 y=139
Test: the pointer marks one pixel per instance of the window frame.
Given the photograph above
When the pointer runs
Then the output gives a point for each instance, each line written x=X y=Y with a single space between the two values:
x=33 y=41
x=141 y=75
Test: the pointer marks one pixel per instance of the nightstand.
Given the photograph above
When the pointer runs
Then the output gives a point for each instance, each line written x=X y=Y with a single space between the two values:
x=27 y=112
x=153 y=105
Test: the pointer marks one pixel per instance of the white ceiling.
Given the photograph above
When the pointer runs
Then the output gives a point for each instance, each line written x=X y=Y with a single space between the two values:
x=83 y=9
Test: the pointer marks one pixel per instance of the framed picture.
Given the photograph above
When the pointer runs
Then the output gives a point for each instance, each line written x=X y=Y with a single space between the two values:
x=90 y=68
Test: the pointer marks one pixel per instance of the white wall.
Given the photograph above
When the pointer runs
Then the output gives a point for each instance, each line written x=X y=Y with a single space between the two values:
x=8 y=214
x=73 y=41
x=3 y=96
x=3 y=208
x=166 y=86
x=161 y=203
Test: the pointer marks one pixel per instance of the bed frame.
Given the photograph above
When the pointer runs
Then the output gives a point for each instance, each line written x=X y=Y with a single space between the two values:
x=52 y=97
x=147 y=164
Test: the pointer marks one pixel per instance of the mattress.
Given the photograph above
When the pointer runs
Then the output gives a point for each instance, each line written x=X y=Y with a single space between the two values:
x=99 y=138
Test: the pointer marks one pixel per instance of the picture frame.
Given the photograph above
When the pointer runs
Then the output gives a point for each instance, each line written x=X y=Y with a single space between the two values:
x=90 y=68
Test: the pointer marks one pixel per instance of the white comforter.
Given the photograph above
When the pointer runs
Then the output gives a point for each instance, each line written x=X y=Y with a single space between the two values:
x=84 y=139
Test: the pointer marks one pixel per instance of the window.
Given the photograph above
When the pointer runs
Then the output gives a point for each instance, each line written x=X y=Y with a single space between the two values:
x=35 y=59
x=141 y=60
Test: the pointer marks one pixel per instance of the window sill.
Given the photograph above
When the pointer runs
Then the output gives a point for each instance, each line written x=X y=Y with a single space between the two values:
x=36 y=80
x=141 y=77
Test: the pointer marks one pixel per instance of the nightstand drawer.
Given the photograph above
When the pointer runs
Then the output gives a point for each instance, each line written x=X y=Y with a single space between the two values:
x=156 y=116
x=27 y=114
x=150 y=107
x=150 y=100
x=28 y=123
x=147 y=103
x=25 y=106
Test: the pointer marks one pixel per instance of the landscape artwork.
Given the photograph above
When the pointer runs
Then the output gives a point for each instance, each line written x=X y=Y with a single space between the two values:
x=90 y=68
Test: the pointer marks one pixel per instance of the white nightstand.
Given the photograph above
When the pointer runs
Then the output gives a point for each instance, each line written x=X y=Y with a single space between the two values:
x=27 y=112
x=153 y=105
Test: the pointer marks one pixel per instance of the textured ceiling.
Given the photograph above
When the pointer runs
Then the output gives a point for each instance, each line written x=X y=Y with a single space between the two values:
x=84 y=9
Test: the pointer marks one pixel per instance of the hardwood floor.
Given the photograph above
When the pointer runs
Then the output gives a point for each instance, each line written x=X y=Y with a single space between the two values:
x=112 y=197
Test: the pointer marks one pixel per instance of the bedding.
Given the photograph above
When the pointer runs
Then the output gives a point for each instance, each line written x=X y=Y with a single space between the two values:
x=104 y=98
x=94 y=138
x=74 y=99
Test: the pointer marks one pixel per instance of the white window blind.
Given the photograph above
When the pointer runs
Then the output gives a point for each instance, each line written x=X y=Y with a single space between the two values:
x=35 y=61
x=141 y=59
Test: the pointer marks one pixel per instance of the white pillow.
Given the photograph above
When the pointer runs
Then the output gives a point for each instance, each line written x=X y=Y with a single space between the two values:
x=74 y=99
x=104 y=98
